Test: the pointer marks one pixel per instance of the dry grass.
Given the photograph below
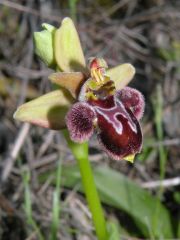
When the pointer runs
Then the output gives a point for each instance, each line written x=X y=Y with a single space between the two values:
x=145 y=33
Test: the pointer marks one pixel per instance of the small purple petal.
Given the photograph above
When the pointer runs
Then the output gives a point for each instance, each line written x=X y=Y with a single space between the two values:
x=133 y=100
x=79 y=121
x=119 y=132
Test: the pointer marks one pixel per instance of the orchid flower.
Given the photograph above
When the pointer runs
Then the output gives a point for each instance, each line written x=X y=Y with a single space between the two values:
x=90 y=98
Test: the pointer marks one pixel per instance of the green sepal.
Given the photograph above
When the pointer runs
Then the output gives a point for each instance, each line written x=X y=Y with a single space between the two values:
x=47 y=111
x=68 y=52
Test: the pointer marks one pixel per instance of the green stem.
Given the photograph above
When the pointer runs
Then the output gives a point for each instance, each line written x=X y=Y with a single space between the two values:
x=80 y=152
x=158 y=110
x=56 y=204
x=28 y=204
x=72 y=6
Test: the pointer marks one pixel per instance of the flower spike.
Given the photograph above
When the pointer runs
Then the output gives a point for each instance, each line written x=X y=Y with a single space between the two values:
x=94 y=98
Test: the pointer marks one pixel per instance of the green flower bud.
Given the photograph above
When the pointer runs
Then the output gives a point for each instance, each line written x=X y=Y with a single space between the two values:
x=44 y=42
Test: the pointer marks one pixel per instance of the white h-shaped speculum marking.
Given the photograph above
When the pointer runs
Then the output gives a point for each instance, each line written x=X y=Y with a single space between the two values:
x=117 y=125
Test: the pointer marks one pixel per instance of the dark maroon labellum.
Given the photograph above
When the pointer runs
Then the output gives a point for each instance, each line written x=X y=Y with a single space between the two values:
x=118 y=131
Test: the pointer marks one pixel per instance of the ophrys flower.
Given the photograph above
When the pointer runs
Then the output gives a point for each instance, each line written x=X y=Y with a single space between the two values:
x=90 y=98
x=112 y=113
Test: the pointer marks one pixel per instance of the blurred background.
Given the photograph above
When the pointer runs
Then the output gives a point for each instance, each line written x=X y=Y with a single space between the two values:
x=141 y=200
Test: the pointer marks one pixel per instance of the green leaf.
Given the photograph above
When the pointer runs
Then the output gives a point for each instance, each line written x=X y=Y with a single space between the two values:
x=68 y=52
x=44 y=42
x=48 y=111
x=178 y=231
x=121 y=74
x=118 y=191
x=172 y=53
x=113 y=229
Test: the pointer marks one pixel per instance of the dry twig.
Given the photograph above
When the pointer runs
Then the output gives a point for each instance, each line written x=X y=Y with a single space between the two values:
x=164 y=183
x=9 y=162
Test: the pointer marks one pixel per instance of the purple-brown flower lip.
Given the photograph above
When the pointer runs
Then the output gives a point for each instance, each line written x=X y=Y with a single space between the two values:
x=117 y=128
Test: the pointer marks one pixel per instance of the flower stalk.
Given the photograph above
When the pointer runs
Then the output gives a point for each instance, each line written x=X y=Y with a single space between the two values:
x=80 y=152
